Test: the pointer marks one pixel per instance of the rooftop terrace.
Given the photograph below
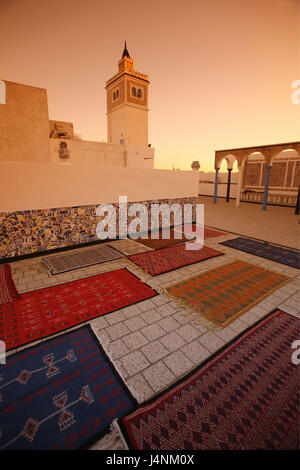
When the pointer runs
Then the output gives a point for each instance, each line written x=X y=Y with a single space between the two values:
x=156 y=342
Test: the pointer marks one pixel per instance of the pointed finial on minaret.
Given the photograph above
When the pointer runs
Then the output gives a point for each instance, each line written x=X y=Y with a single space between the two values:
x=125 y=52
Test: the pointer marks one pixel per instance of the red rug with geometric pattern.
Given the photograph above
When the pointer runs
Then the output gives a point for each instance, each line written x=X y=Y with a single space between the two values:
x=44 y=312
x=245 y=398
x=170 y=258
x=8 y=291
x=193 y=229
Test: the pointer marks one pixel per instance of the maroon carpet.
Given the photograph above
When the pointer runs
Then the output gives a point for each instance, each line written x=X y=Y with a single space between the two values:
x=8 y=291
x=170 y=258
x=246 y=397
x=195 y=230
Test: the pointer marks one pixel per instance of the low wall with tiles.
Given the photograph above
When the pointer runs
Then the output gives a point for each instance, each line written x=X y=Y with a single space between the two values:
x=49 y=206
x=31 y=231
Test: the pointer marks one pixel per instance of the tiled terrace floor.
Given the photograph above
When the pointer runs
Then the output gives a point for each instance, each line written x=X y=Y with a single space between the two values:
x=276 y=224
x=154 y=343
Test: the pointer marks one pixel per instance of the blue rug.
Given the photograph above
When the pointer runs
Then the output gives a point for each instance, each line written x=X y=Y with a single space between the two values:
x=61 y=394
x=265 y=250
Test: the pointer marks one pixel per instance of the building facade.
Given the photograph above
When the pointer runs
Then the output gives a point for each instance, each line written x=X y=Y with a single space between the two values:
x=127 y=104
x=27 y=134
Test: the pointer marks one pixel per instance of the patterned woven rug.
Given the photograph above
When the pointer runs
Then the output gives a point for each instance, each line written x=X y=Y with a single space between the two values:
x=170 y=258
x=245 y=398
x=222 y=294
x=60 y=394
x=194 y=229
x=162 y=242
x=80 y=259
x=43 y=312
x=8 y=291
x=265 y=250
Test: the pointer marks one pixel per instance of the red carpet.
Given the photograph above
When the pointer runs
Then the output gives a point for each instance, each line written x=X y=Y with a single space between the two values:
x=47 y=311
x=8 y=291
x=246 y=398
x=170 y=258
x=208 y=232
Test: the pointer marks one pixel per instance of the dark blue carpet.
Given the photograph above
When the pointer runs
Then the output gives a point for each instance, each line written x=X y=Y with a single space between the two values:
x=60 y=394
x=265 y=250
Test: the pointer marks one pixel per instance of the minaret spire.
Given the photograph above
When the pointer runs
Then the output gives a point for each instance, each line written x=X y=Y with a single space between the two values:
x=125 y=52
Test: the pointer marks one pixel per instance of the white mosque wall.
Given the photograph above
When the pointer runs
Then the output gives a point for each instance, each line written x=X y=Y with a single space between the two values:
x=129 y=120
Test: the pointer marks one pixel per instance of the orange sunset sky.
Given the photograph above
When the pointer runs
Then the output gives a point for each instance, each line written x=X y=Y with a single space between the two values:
x=220 y=70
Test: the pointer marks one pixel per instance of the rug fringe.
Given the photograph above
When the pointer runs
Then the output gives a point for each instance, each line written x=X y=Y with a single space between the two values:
x=113 y=440
x=115 y=426
x=44 y=261
x=196 y=317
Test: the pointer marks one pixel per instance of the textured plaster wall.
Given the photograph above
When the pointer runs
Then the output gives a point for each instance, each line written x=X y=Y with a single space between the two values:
x=24 y=124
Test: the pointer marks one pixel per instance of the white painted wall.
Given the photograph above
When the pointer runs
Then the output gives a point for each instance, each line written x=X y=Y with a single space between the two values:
x=136 y=126
x=222 y=176
x=100 y=153
x=128 y=121
x=25 y=186
x=207 y=189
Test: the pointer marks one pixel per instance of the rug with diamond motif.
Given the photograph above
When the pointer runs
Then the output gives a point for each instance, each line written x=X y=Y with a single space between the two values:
x=170 y=258
x=64 y=262
x=244 y=398
x=8 y=291
x=60 y=394
x=222 y=294
x=265 y=250
x=43 y=312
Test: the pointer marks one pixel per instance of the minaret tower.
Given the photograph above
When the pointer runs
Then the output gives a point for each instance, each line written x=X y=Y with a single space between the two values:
x=127 y=104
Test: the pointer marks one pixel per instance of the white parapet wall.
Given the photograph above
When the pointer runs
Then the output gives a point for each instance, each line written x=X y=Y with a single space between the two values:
x=207 y=189
x=82 y=152
x=28 y=186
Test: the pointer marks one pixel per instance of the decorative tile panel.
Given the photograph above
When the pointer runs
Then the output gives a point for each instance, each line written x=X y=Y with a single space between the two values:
x=39 y=230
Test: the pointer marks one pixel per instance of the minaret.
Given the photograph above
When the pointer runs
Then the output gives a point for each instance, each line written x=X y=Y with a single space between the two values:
x=127 y=104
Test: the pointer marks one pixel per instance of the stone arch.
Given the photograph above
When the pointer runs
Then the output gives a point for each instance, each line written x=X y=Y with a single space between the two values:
x=244 y=155
x=280 y=153
x=253 y=164
x=229 y=159
x=285 y=176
